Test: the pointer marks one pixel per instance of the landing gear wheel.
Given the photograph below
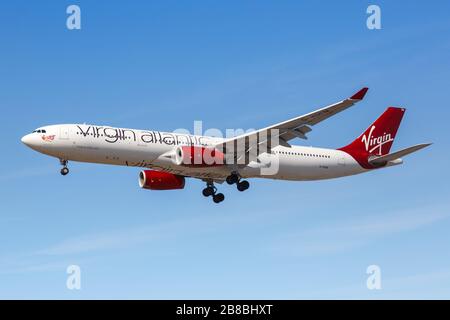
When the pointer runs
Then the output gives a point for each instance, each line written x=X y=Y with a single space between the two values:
x=243 y=185
x=64 y=171
x=211 y=190
x=219 y=197
x=208 y=191
x=232 y=178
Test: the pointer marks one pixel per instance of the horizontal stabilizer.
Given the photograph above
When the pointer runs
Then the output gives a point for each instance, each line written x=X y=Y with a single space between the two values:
x=396 y=155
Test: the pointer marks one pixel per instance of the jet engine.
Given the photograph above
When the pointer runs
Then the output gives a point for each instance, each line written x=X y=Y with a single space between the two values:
x=195 y=156
x=158 y=180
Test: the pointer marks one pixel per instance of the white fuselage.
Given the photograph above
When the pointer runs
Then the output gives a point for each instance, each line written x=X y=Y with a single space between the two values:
x=150 y=149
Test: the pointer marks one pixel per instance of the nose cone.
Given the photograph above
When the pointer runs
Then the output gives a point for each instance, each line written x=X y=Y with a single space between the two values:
x=27 y=140
x=33 y=141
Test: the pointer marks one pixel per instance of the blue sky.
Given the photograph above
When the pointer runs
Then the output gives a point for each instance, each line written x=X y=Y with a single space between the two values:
x=232 y=64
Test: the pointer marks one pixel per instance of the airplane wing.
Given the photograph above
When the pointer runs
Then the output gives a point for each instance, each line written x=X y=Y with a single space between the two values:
x=382 y=160
x=284 y=131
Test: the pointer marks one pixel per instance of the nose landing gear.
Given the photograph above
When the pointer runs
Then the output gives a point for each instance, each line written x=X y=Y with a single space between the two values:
x=64 y=171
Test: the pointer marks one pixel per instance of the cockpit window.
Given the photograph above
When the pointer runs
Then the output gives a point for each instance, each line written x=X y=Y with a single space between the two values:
x=39 y=131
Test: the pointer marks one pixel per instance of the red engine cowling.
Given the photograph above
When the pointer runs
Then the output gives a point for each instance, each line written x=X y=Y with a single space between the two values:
x=195 y=156
x=158 y=180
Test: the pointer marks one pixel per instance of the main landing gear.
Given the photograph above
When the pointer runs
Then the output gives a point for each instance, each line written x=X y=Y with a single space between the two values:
x=64 y=171
x=241 y=185
x=234 y=178
x=211 y=190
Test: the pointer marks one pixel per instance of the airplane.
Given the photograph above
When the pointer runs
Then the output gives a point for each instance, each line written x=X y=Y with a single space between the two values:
x=169 y=158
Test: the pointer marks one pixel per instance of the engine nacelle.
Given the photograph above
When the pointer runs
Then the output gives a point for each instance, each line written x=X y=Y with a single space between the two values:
x=158 y=180
x=194 y=156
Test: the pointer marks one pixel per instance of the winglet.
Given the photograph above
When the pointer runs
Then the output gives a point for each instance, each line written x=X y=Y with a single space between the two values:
x=360 y=94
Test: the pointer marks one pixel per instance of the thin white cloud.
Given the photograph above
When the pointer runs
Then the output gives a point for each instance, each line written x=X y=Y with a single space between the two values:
x=352 y=234
x=433 y=285
x=381 y=224
x=28 y=172
x=55 y=256
x=317 y=240
x=127 y=237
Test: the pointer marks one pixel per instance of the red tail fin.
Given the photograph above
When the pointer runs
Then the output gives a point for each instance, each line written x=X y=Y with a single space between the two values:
x=377 y=139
